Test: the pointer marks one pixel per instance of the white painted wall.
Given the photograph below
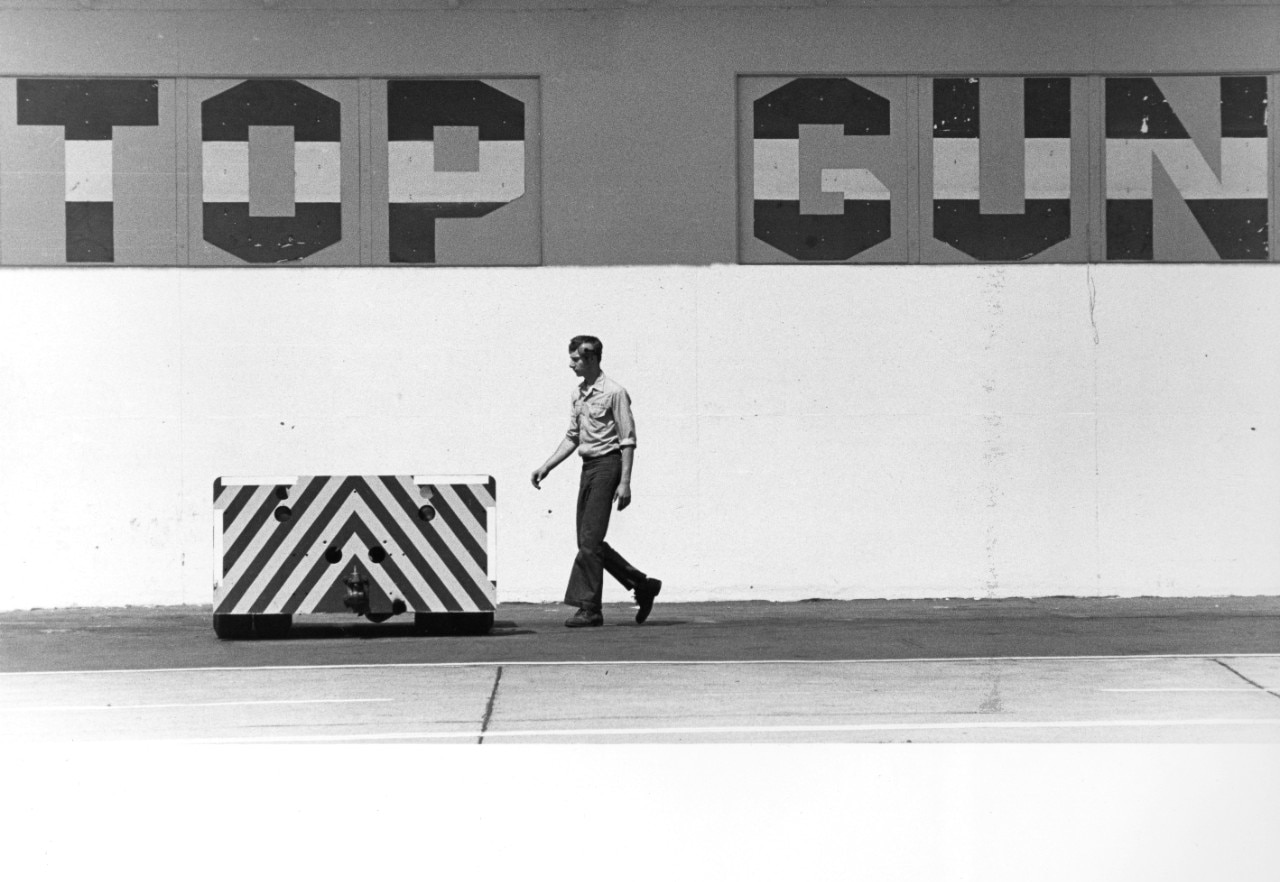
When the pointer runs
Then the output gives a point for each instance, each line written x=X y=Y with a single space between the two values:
x=816 y=431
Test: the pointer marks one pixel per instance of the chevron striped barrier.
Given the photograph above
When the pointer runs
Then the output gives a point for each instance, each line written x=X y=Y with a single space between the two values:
x=377 y=546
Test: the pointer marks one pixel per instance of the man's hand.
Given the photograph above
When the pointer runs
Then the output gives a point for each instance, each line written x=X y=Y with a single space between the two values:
x=622 y=496
x=567 y=446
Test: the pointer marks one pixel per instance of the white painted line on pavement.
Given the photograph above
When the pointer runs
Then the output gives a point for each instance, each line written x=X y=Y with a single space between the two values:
x=110 y=707
x=629 y=662
x=742 y=730
x=1191 y=689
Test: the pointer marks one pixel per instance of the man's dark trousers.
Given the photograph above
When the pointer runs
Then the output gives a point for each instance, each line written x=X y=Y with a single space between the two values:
x=600 y=478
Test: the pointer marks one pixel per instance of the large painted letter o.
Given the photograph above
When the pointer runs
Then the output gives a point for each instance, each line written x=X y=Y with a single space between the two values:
x=231 y=222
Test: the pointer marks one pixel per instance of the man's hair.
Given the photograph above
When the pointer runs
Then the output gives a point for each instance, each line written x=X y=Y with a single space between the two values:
x=589 y=343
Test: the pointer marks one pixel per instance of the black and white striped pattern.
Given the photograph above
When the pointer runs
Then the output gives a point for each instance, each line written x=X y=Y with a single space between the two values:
x=284 y=545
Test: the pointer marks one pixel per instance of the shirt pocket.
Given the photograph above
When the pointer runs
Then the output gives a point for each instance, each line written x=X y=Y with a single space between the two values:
x=598 y=411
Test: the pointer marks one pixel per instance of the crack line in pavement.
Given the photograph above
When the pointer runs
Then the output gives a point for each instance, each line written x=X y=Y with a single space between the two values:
x=488 y=710
x=1246 y=679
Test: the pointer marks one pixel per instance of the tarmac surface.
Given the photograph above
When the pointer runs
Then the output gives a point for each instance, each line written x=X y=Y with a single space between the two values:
x=1052 y=669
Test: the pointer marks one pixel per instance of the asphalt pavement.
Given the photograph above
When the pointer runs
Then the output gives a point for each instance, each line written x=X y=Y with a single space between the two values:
x=1045 y=670
x=117 y=638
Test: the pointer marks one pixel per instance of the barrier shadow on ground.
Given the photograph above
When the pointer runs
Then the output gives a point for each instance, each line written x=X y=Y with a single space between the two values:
x=391 y=630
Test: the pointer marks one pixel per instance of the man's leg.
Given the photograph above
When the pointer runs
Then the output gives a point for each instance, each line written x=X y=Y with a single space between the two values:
x=645 y=588
x=595 y=502
x=618 y=567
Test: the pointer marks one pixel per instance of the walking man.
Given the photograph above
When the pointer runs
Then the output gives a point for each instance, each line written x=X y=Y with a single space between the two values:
x=603 y=432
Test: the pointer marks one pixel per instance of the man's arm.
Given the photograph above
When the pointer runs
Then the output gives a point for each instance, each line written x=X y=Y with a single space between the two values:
x=627 y=440
x=623 y=494
x=567 y=446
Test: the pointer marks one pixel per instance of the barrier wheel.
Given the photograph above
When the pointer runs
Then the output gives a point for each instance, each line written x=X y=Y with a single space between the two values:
x=437 y=624
x=232 y=627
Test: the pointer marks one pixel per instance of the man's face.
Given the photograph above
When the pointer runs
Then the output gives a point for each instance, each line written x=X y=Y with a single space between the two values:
x=580 y=359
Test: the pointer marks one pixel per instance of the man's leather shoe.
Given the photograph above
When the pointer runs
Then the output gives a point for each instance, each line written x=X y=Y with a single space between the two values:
x=644 y=596
x=585 y=618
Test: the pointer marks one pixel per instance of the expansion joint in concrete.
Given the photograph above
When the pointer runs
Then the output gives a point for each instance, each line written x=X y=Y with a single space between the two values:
x=488 y=708
x=1246 y=679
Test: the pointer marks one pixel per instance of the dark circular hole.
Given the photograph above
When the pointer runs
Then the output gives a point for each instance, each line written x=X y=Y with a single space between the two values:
x=333 y=555
x=283 y=513
x=427 y=513
x=377 y=554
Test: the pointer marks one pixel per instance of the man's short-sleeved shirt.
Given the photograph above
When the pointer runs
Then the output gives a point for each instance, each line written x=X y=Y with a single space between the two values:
x=600 y=418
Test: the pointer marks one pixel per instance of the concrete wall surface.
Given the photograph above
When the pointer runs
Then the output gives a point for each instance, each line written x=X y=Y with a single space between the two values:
x=889 y=432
